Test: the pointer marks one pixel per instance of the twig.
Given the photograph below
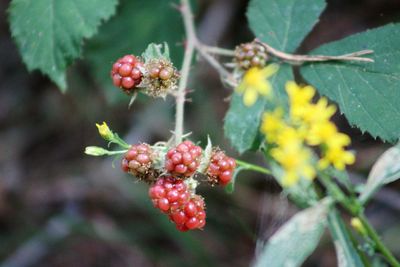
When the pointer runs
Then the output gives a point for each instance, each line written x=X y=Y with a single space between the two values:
x=300 y=59
x=217 y=50
x=190 y=45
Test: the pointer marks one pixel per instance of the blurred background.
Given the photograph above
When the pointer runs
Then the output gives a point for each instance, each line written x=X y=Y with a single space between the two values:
x=60 y=208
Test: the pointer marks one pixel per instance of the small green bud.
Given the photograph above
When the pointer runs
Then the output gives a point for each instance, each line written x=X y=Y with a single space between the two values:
x=96 y=151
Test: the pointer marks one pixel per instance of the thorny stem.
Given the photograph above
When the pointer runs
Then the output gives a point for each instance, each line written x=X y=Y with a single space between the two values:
x=300 y=59
x=218 y=50
x=180 y=96
x=252 y=167
x=192 y=44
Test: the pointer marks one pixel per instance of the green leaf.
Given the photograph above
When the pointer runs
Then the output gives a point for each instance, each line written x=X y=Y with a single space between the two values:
x=346 y=252
x=283 y=24
x=137 y=24
x=296 y=239
x=50 y=33
x=367 y=93
x=385 y=170
x=206 y=158
x=154 y=51
x=242 y=123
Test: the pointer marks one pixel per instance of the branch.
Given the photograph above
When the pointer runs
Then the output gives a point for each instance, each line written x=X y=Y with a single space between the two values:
x=180 y=96
x=300 y=59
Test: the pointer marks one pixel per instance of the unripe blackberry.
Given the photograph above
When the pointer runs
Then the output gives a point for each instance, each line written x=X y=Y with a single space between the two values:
x=184 y=159
x=169 y=194
x=138 y=161
x=191 y=216
x=160 y=78
x=126 y=73
x=250 y=55
x=221 y=168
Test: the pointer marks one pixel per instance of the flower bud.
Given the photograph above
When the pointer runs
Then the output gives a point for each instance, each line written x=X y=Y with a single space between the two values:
x=105 y=132
x=95 y=151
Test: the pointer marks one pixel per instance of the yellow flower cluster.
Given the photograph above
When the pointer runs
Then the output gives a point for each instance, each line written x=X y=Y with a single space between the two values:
x=308 y=124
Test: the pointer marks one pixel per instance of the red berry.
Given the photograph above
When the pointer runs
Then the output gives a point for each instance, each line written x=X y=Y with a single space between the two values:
x=172 y=196
x=138 y=161
x=126 y=73
x=184 y=159
x=191 y=216
x=169 y=189
x=221 y=168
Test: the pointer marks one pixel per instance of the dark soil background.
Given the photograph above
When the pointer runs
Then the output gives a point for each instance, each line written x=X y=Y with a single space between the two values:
x=60 y=208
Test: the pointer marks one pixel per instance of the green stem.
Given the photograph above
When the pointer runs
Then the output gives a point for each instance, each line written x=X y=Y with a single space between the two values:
x=117 y=152
x=119 y=141
x=378 y=242
x=252 y=167
x=354 y=207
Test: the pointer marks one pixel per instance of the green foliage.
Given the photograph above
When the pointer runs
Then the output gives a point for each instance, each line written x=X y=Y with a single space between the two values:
x=242 y=123
x=347 y=254
x=283 y=24
x=385 y=170
x=155 y=51
x=50 y=33
x=296 y=239
x=137 y=24
x=367 y=93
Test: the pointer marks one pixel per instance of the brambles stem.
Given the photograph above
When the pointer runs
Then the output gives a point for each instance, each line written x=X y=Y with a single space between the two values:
x=300 y=59
x=180 y=96
x=218 y=50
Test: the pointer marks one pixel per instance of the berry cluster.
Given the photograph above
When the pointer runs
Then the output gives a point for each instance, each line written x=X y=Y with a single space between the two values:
x=250 y=55
x=174 y=193
x=161 y=77
x=221 y=168
x=172 y=196
x=138 y=161
x=126 y=73
x=184 y=159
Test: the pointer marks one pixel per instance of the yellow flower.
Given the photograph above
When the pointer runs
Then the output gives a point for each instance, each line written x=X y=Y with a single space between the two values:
x=290 y=137
x=295 y=160
x=322 y=132
x=255 y=82
x=338 y=157
x=272 y=123
x=299 y=96
x=104 y=131
x=319 y=112
x=301 y=107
